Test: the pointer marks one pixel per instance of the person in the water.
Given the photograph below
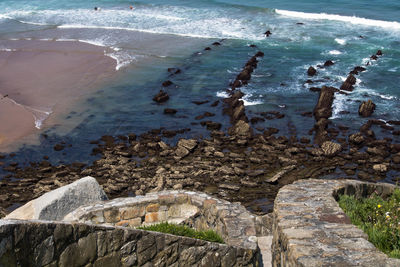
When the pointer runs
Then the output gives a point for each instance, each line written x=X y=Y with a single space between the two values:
x=97 y=8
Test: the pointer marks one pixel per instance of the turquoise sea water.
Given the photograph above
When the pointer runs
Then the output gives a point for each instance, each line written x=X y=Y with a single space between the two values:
x=175 y=33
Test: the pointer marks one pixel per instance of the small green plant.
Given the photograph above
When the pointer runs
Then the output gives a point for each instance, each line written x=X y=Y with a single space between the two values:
x=378 y=218
x=183 y=230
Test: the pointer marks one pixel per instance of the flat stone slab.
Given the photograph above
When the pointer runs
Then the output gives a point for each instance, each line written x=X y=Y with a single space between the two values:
x=310 y=229
x=55 y=204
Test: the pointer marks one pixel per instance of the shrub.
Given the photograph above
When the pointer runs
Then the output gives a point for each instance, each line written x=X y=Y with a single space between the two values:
x=183 y=230
x=378 y=218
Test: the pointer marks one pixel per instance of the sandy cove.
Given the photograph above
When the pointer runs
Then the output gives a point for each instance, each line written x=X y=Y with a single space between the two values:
x=39 y=80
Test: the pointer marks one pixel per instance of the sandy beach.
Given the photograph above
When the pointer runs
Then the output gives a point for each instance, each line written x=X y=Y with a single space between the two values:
x=40 y=79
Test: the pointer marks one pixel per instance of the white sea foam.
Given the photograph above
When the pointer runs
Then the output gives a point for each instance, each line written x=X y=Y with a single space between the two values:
x=222 y=94
x=7 y=50
x=338 y=105
x=122 y=58
x=334 y=52
x=39 y=114
x=340 y=41
x=247 y=102
x=350 y=19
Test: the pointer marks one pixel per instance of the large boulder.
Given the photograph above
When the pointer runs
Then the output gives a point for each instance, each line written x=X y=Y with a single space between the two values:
x=366 y=108
x=55 y=204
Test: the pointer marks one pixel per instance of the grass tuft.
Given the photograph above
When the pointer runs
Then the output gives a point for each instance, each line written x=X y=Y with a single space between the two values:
x=378 y=218
x=183 y=230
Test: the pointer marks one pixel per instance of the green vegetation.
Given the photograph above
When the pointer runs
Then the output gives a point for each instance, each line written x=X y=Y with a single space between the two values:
x=183 y=230
x=379 y=218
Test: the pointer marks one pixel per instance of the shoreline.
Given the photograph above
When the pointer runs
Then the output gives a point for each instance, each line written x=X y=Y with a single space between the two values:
x=237 y=165
x=40 y=80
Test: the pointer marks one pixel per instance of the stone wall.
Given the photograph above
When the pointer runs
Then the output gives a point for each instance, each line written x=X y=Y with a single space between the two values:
x=44 y=243
x=198 y=210
x=310 y=229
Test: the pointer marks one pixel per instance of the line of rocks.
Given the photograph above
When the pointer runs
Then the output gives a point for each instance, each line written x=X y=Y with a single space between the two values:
x=235 y=107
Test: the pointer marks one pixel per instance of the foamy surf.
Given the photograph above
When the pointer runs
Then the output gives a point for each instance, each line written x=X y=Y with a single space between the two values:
x=39 y=115
x=349 y=19
x=335 y=52
x=340 y=41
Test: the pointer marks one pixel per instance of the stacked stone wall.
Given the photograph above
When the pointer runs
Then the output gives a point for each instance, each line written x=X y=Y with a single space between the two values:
x=310 y=229
x=43 y=243
x=198 y=210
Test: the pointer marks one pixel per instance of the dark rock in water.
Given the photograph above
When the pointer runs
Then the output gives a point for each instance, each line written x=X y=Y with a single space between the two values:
x=215 y=103
x=174 y=70
x=374 y=57
x=206 y=114
x=311 y=71
x=344 y=112
x=394 y=122
x=351 y=79
x=309 y=81
x=356 y=138
x=259 y=54
x=169 y=134
x=357 y=69
x=328 y=63
x=255 y=120
x=236 y=84
x=379 y=53
x=244 y=75
x=299 y=23
x=241 y=129
x=268 y=33
x=252 y=45
x=132 y=137
x=161 y=97
x=323 y=109
x=347 y=86
x=366 y=108
x=396 y=132
x=207 y=48
x=167 y=83
x=271 y=131
x=306 y=114
x=305 y=140
x=387 y=127
x=58 y=147
x=200 y=102
x=211 y=125
x=170 y=111
x=216 y=43
x=315 y=89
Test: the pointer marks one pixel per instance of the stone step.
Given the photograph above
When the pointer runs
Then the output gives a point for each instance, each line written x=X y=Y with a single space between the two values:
x=264 y=243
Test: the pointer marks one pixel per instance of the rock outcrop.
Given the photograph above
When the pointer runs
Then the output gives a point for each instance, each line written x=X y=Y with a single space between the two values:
x=366 y=108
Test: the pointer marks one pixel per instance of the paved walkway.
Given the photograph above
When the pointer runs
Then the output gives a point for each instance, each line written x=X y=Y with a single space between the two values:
x=264 y=243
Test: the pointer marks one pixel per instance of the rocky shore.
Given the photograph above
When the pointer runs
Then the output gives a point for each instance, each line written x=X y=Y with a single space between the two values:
x=238 y=165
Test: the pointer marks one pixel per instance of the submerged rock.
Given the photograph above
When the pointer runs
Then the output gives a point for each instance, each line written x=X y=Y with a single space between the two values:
x=161 y=97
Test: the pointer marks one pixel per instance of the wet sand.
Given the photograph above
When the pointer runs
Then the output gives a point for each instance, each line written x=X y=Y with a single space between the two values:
x=39 y=80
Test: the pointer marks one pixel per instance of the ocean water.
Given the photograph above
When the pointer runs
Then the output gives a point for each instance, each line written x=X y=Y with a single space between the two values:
x=156 y=35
